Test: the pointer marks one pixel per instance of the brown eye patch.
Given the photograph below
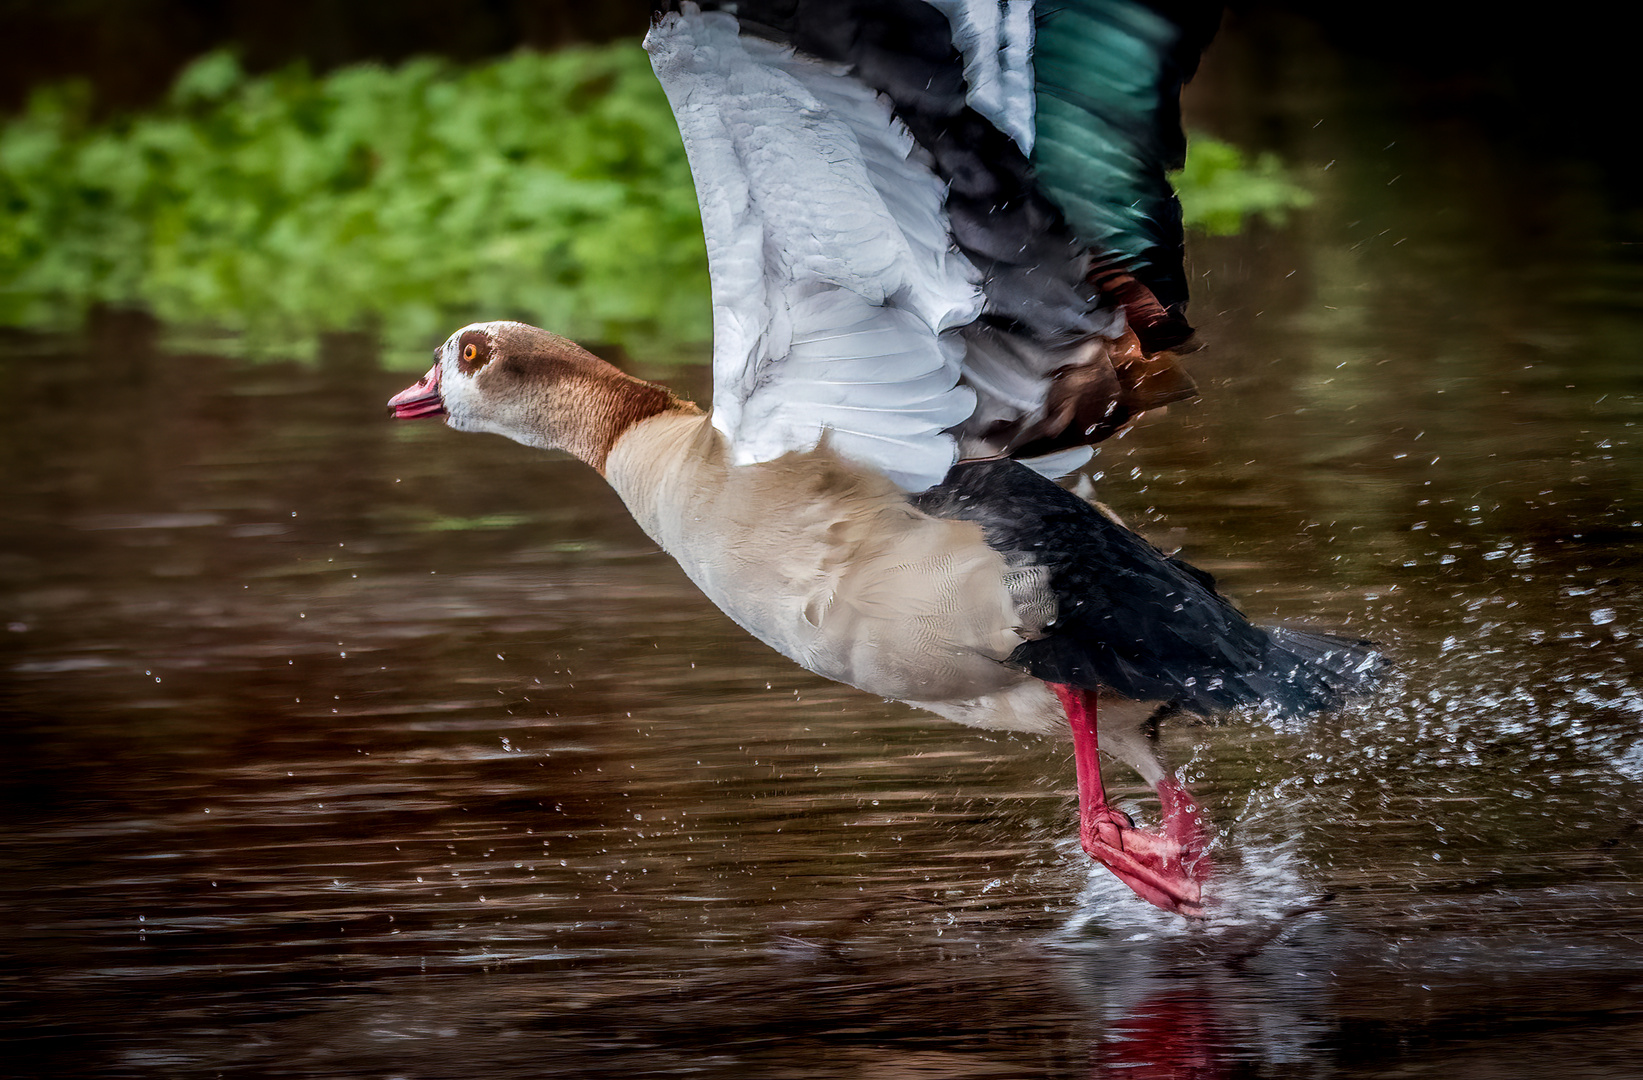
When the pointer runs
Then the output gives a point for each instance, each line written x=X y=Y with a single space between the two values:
x=474 y=351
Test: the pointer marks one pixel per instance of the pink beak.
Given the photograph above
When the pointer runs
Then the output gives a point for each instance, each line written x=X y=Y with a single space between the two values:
x=420 y=400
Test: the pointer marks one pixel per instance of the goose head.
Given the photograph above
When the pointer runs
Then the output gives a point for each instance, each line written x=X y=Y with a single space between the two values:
x=533 y=387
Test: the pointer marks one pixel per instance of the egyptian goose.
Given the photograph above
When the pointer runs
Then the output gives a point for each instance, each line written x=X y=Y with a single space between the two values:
x=926 y=302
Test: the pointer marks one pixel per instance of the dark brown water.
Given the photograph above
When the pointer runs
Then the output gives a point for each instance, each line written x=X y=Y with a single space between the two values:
x=339 y=747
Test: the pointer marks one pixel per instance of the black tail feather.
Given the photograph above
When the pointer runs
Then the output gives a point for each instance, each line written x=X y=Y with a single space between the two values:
x=1310 y=671
x=1135 y=621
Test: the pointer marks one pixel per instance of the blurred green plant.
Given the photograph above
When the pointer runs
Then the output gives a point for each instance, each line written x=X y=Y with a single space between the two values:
x=408 y=201
x=1221 y=188
x=405 y=201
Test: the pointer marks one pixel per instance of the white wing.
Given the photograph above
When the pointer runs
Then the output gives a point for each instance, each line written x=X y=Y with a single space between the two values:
x=836 y=286
x=996 y=40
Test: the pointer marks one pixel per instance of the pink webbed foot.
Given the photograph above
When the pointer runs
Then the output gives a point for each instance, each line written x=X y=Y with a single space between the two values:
x=1167 y=870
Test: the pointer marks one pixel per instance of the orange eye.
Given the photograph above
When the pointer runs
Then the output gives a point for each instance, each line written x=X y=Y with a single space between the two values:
x=475 y=351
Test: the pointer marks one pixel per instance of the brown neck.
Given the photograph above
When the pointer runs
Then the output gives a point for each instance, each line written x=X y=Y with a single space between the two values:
x=606 y=403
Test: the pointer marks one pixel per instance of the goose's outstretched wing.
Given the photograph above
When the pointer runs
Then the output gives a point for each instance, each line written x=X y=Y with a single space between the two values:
x=889 y=266
x=832 y=268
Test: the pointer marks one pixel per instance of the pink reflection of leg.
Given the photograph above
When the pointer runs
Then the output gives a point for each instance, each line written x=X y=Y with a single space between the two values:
x=1178 y=1035
x=1166 y=870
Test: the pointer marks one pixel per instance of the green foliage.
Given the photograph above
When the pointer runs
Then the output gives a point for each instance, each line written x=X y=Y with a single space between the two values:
x=547 y=188
x=1220 y=188
x=550 y=188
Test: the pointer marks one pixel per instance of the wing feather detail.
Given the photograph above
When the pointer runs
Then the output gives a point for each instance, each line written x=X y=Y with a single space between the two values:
x=1108 y=77
x=836 y=287
x=996 y=40
x=917 y=206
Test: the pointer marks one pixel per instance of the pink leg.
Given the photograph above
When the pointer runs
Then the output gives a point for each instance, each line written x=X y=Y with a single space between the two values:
x=1167 y=870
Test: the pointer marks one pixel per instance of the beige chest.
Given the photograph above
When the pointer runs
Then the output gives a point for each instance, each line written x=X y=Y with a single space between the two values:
x=827 y=565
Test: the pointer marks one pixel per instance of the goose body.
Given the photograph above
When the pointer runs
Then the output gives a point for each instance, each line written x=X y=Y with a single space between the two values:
x=831 y=566
x=916 y=323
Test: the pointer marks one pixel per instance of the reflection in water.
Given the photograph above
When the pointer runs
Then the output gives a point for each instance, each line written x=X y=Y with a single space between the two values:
x=338 y=747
